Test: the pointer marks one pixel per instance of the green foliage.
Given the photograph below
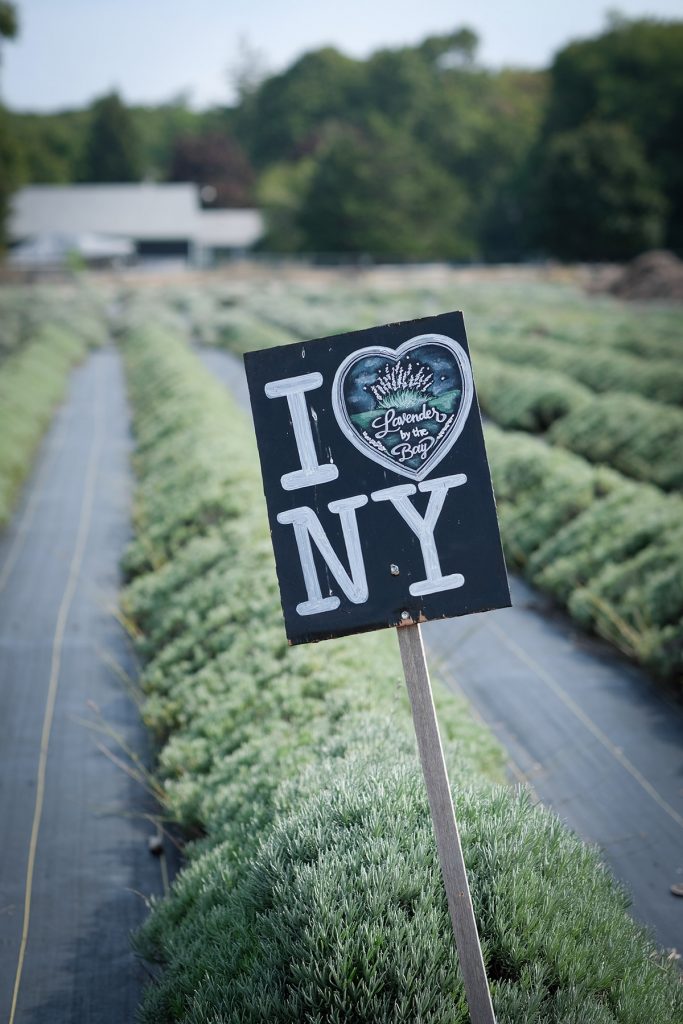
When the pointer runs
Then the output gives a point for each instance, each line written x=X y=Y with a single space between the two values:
x=160 y=128
x=10 y=172
x=537 y=368
x=314 y=893
x=631 y=75
x=10 y=153
x=9 y=21
x=582 y=161
x=591 y=362
x=25 y=311
x=603 y=181
x=378 y=193
x=32 y=381
x=444 y=138
x=50 y=146
x=609 y=549
x=526 y=399
x=457 y=48
x=112 y=147
x=240 y=332
x=281 y=190
x=543 y=357
x=618 y=566
x=340 y=915
x=642 y=439
x=287 y=111
x=539 y=490
x=217 y=161
x=599 y=198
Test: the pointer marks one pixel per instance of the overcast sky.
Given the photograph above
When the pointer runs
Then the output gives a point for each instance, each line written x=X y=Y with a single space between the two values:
x=70 y=51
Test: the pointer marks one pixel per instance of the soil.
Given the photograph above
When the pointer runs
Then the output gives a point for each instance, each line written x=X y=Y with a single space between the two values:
x=654 y=275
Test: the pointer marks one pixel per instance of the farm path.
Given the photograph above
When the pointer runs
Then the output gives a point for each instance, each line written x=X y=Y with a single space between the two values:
x=592 y=736
x=75 y=863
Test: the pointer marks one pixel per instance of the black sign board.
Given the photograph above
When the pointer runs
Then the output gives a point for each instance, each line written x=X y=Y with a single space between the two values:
x=376 y=480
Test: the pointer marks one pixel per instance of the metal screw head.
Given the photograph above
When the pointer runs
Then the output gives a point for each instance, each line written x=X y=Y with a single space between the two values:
x=393 y=569
x=405 y=615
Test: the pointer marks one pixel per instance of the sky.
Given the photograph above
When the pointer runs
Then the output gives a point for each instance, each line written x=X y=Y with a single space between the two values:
x=70 y=51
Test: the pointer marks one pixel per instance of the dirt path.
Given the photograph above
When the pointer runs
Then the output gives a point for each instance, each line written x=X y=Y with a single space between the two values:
x=75 y=863
x=593 y=736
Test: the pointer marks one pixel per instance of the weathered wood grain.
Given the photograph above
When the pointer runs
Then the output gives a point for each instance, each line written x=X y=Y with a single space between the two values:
x=445 y=825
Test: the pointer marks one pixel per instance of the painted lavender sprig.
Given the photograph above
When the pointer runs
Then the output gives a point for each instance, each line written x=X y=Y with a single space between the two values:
x=402 y=385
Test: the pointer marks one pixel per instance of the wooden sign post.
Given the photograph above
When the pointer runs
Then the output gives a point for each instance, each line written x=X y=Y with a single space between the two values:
x=382 y=514
x=445 y=825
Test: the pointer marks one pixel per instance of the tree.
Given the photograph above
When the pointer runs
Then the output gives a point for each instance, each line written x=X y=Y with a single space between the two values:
x=598 y=195
x=471 y=128
x=248 y=71
x=159 y=128
x=290 y=109
x=378 y=193
x=51 y=145
x=217 y=162
x=112 y=146
x=9 y=24
x=457 y=49
x=10 y=172
x=281 y=193
x=631 y=75
x=10 y=155
x=480 y=127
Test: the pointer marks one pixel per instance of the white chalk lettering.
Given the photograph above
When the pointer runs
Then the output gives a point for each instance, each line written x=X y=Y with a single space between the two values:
x=391 y=421
x=311 y=472
x=405 y=451
x=424 y=528
x=306 y=528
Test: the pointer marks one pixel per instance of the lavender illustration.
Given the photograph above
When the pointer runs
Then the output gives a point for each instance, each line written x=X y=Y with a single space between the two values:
x=402 y=386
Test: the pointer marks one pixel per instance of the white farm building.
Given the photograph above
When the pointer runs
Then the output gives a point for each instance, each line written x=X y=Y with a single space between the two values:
x=155 y=220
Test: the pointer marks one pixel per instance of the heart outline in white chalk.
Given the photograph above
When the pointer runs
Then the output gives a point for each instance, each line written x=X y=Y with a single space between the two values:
x=441 y=449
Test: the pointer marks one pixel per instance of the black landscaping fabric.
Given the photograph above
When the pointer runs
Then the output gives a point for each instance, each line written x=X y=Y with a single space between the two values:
x=92 y=866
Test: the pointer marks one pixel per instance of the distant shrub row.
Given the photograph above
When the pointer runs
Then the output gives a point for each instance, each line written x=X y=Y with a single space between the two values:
x=618 y=566
x=642 y=439
x=599 y=366
x=609 y=548
x=597 y=342
x=24 y=310
x=32 y=381
x=532 y=370
x=315 y=894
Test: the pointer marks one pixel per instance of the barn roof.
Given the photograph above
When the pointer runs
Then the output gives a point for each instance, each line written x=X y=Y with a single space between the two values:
x=138 y=211
x=238 y=229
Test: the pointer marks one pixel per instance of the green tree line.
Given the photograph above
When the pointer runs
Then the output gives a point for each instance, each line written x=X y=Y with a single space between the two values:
x=417 y=152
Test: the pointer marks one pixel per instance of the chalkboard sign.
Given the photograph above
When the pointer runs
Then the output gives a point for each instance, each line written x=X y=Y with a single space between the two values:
x=376 y=481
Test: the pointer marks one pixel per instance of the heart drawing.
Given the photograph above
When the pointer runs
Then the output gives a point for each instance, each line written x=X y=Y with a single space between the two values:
x=404 y=408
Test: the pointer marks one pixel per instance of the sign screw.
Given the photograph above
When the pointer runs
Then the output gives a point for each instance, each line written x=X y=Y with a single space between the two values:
x=393 y=569
x=405 y=615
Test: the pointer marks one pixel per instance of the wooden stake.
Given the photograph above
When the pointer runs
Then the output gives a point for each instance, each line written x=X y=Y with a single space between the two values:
x=445 y=825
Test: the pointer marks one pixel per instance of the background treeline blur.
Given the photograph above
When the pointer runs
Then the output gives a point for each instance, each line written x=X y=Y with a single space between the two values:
x=414 y=153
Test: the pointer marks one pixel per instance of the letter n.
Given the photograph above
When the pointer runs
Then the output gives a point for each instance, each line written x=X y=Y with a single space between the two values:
x=306 y=528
